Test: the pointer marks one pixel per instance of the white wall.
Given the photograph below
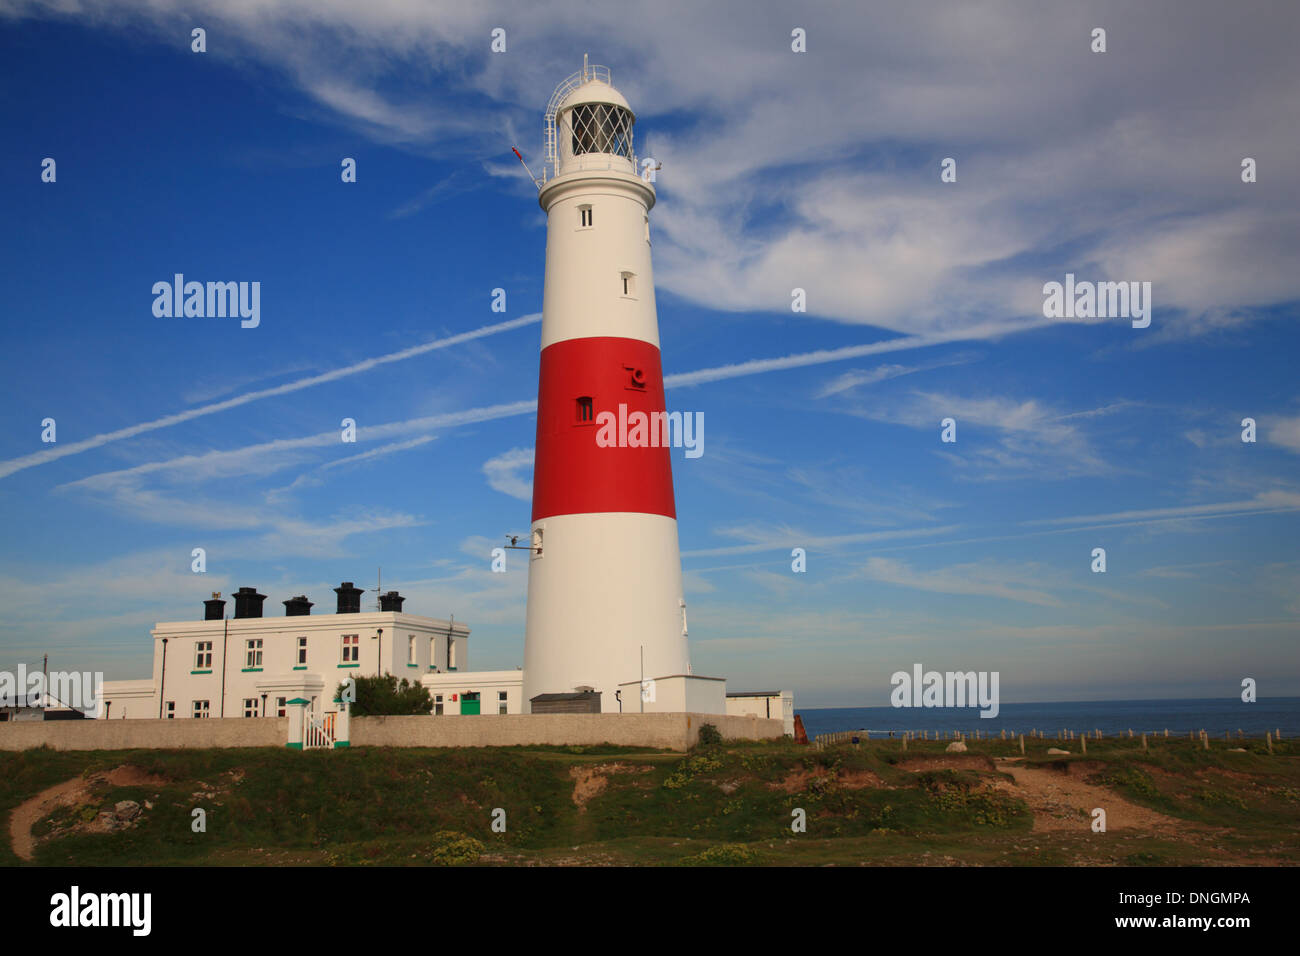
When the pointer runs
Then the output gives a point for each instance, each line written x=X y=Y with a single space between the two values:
x=183 y=683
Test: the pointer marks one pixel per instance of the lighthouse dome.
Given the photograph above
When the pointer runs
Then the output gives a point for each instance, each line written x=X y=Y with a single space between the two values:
x=594 y=91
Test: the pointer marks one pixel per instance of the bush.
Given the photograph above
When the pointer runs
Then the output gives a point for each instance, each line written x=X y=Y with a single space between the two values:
x=709 y=735
x=384 y=696
x=455 y=849
x=725 y=854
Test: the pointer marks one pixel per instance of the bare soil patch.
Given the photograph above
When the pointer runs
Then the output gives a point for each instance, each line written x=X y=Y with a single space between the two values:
x=1063 y=801
x=70 y=793
x=590 y=782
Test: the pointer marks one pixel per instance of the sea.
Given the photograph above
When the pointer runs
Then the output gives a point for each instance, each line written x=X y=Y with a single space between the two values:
x=1111 y=717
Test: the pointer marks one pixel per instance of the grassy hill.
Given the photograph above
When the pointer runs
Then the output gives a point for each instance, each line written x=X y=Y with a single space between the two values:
x=726 y=804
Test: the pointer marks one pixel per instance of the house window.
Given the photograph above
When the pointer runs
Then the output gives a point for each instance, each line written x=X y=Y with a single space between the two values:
x=202 y=709
x=203 y=655
x=629 y=283
x=302 y=650
x=584 y=217
x=437 y=705
x=351 y=648
x=501 y=701
x=253 y=652
x=410 y=650
x=250 y=706
x=585 y=413
x=171 y=710
x=282 y=707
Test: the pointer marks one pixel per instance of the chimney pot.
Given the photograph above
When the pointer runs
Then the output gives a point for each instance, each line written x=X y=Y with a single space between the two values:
x=349 y=598
x=248 y=603
x=214 y=609
x=297 y=606
x=392 y=601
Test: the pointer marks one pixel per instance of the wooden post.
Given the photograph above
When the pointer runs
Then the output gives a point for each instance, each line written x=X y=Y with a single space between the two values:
x=1269 y=738
x=1144 y=743
x=1130 y=733
x=1166 y=732
x=1022 y=743
x=1083 y=743
x=1205 y=739
x=904 y=743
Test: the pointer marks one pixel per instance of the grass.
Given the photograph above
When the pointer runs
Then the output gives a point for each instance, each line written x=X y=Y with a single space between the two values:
x=730 y=804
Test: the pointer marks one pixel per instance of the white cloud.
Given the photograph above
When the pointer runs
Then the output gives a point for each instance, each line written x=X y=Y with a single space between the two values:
x=505 y=473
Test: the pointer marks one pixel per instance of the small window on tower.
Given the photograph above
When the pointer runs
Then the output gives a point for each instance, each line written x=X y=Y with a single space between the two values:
x=647 y=229
x=584 y=216
x=585 y=414
x=629 y=283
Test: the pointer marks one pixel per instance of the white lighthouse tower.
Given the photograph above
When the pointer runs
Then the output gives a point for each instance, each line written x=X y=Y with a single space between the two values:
x=605 y=603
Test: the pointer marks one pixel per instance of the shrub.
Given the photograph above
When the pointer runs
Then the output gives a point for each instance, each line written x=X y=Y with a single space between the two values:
x=725 y=854
x=709 y=735
x=454 y=849
x=385 y=696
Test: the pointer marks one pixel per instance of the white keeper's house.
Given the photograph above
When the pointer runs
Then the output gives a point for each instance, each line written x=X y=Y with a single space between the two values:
x=253 y=666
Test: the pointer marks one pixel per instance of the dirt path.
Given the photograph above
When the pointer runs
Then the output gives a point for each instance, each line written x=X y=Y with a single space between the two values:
x=69 y=793
x=1063 y=801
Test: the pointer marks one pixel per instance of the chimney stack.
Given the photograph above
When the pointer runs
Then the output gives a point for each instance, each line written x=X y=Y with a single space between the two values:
x=349 y=598
x=392 y=601
x=248 y=603
x=215 y=608
x=297 y=606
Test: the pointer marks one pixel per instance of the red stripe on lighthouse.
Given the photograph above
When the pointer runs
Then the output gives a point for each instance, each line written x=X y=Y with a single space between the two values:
x=572 y=474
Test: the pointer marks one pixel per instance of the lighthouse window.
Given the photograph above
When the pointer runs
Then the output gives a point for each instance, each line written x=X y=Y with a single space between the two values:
x=585 y=413
x=601 y=128
x=629 y=283
x=584 y=216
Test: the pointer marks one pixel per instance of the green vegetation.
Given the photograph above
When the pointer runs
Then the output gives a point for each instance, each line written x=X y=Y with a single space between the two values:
x=724 y=804
x=384 y=696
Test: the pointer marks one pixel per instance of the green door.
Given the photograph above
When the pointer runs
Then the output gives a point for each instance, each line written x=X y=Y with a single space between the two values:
x=469 y=703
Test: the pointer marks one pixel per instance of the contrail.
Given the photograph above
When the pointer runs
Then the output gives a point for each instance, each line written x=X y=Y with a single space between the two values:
x=822 y=356
x=7 y=468
x=213 y=459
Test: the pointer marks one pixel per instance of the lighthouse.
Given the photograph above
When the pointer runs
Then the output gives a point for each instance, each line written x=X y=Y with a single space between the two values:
x=606 y=616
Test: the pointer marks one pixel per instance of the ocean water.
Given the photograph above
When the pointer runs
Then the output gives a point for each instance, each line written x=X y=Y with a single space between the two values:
x=1111 y=717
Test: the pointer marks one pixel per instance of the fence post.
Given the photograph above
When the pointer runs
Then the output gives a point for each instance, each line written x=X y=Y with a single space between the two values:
x=1144 y=743
x=1022 y=743
x=1083 y=743
x=297 y=718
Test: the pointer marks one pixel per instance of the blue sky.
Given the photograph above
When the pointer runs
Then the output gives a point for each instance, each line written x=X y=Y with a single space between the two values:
x=781 y=170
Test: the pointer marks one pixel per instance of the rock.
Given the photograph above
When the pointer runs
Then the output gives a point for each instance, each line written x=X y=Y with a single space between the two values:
x=1056 y=750
x=126 y=810
x=1237 y=750
x=956 y=747
x=728 y=787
